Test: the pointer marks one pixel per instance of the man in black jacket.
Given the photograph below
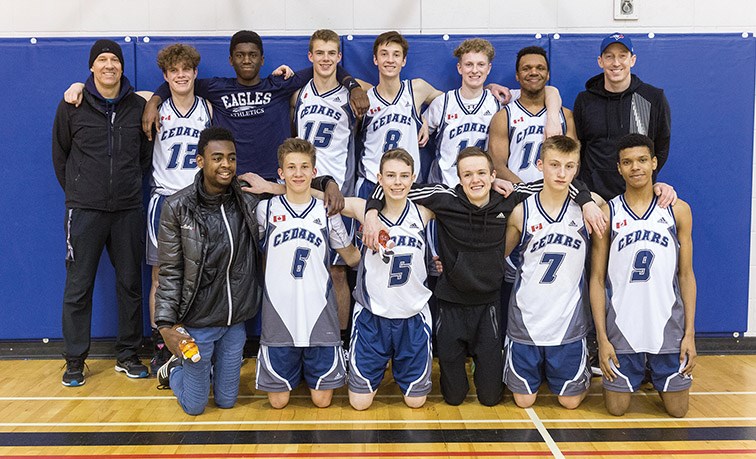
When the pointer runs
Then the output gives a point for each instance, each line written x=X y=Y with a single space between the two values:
x=99 y=154
x=616 y=103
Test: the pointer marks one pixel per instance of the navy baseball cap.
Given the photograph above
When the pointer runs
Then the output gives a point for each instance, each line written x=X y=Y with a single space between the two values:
x=617 y=38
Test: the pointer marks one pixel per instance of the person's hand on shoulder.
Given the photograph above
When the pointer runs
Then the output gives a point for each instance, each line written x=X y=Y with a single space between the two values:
x=74 y=94
x=283 y=70
x=503 y=187
x=667 y=196
x=333 y=199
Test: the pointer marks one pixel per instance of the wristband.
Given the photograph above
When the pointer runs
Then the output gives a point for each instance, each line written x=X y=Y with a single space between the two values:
x=325 y=180
x=583 y=197
x=350 y=83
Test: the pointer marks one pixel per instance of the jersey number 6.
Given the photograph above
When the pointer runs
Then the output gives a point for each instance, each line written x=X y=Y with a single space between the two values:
x=300 y=262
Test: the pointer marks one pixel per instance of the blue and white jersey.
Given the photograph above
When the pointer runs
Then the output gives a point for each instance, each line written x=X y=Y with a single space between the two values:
x=299 y=307
x=549 y=305
x=525 y=139
x=396 y=289
x=458 y=123
x=388 y=125
x=326 y=121
x=174 y=156
x=644 y=309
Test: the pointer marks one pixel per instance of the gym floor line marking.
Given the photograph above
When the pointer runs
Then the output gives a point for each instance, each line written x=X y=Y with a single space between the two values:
x=555 y=451
x=246 y=397
x=368 y=422
x=382 y=454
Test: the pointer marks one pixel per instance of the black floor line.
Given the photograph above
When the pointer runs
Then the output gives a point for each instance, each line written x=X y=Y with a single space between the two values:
x=279 y=437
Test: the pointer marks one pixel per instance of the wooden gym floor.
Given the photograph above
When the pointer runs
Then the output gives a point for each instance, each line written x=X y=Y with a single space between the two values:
x=115 y=417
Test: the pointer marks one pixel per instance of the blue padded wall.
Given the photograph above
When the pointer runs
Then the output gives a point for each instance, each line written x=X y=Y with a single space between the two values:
x=32 y=272
x=709 y=82
x=708 y=79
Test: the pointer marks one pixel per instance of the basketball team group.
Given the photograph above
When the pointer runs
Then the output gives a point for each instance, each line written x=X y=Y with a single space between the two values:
x=538 y=247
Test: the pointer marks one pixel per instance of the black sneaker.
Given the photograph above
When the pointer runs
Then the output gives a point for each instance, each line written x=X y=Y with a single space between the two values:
x=596 y=368
x=74 y=374
x=593 y=358
x=133 y=367
x=161 y=353
x=164 y=372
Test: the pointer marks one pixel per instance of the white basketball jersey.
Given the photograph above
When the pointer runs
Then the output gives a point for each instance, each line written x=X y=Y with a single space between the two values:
x=174 y=156
x=326 y=121
x=388 y=125
x=644 y=308
x=299 y=307
x=525 y=139
x=396 y=289
x=549 y=304
x=458 y=124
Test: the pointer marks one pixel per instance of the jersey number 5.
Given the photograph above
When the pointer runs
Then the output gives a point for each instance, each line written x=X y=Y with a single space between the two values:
x=401 y=266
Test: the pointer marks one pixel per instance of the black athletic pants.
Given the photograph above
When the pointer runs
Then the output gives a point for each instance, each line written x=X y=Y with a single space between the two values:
x=87 y=233
x=469 y=330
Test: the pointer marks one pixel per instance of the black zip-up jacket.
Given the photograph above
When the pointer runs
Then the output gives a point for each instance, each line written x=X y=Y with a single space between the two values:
x=602 y=117
x=194 y=248
x=99 y=151
x=471 y=238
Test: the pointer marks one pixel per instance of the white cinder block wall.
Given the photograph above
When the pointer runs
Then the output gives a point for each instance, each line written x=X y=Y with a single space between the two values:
x=298 y=17
x=36 y=18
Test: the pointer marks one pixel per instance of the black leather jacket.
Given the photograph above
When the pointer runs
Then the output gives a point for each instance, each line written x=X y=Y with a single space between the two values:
x=194 y=283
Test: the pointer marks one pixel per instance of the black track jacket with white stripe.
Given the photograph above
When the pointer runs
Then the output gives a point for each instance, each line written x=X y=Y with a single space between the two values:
x=603 y=117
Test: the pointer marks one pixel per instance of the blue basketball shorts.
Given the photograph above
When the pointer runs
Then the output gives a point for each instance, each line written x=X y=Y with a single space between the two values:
x=281 y=369
x=377 y=340
x=564 y=367
x=666 y=373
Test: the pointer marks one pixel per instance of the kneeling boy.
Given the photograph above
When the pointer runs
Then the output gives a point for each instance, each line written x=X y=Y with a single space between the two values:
x=643 y=290
x=548 y=310
x=391 y=318
x=300 y=328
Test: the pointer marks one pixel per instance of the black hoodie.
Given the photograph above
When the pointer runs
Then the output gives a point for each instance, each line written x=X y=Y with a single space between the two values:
x=603 y=117
x=99 y=151
x=471 y=238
